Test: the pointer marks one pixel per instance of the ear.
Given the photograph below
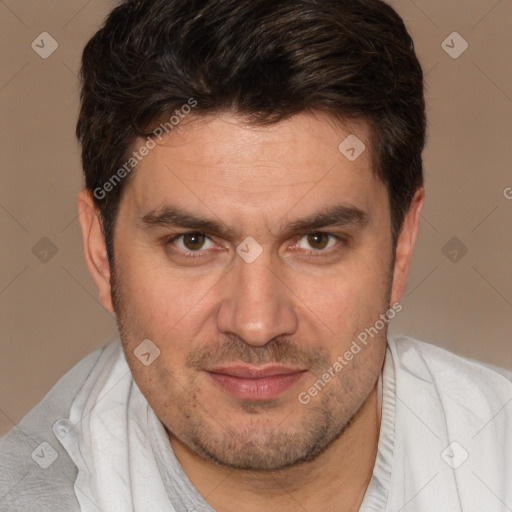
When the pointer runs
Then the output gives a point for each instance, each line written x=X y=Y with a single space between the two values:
x=95 y=250
x=405 y=245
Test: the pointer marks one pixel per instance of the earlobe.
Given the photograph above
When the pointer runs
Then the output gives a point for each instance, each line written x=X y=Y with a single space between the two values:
x=405 y=245
x=94 y=247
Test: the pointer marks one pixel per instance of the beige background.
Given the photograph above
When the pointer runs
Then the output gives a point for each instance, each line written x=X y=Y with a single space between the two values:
x=49 y=312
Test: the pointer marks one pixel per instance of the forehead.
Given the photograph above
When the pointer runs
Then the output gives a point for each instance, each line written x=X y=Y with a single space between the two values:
x=223 y=162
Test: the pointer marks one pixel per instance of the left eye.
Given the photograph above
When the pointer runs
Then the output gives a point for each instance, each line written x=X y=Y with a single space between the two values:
x=317 y=241
x=192 y=242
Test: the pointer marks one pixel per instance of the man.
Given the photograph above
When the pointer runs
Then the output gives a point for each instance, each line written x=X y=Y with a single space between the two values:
x=253 y=187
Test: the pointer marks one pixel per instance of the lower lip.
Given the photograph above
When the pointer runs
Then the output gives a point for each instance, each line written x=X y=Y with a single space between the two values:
x=260 y=389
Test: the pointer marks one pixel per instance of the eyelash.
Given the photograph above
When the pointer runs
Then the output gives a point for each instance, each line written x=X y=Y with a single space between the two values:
x=168 y=241
x=343 y=241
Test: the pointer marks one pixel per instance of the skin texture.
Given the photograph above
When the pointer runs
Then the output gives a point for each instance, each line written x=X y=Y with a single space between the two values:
x=299 y=304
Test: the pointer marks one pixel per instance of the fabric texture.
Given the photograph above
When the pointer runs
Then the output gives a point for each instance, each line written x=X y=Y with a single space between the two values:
x=25 y=486
x=445 y=441
x=446 y=434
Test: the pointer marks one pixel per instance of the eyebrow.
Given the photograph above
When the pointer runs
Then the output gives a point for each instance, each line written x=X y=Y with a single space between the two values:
x=174 y=216
x=341 y=215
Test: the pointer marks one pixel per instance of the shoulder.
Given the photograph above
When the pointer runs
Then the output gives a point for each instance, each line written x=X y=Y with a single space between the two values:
x=456 y=383
x=416 y=354
x=449 y=421
x=36 y=472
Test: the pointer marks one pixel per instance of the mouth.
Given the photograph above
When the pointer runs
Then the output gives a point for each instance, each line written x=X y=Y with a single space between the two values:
x=255 y=382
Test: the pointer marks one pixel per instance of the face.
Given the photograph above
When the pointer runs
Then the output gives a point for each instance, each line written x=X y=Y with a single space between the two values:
x=252 y=258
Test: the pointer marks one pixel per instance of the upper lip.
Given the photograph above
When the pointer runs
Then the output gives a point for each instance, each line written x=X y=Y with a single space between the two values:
x=255 y=371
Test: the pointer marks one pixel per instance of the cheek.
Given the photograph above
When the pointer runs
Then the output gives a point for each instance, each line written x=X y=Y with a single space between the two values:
x=158 y=298
x=174 y=313
x=348 y=298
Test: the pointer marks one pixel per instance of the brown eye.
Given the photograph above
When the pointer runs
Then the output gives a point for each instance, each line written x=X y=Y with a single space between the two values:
x=193 y=241
x=318 y=241
x=191 y=245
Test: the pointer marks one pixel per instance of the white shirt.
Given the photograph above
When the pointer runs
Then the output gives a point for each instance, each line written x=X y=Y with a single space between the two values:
x=445 y=441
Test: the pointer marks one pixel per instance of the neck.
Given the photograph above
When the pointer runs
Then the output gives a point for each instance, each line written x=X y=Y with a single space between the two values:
x=335 y=481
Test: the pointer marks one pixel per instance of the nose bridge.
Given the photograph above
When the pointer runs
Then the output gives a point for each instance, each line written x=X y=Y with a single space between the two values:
x=256 y=284
x=256 y=305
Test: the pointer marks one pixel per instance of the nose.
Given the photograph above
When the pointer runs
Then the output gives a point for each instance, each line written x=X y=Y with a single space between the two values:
x=256 y=304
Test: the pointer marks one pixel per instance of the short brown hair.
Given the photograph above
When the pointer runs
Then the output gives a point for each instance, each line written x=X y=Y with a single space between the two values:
x=263 y=59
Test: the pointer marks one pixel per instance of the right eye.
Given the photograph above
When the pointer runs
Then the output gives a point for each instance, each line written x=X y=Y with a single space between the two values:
x=191 y=242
